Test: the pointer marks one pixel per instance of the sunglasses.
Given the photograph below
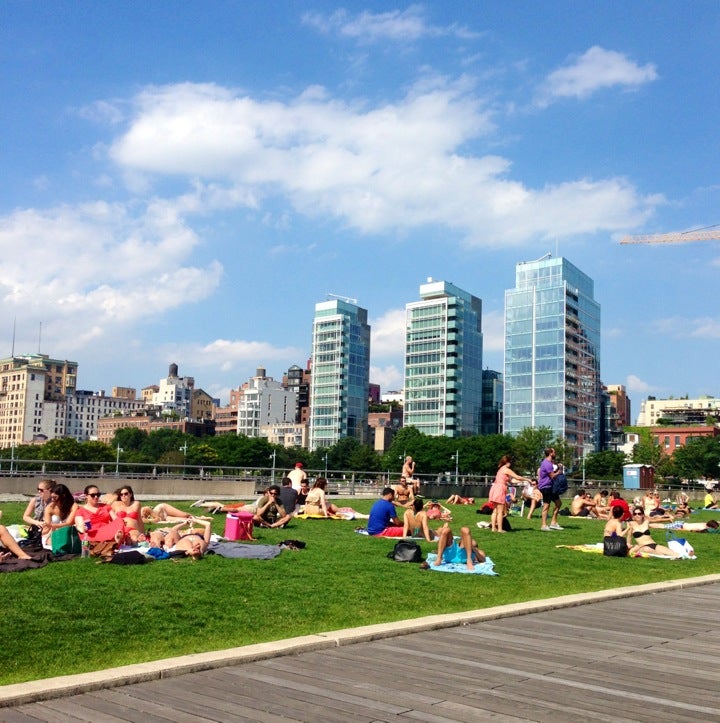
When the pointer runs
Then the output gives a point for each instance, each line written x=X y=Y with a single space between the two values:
x=638 y=514
x=124 y=494
x=43 y=489
x=93 y=494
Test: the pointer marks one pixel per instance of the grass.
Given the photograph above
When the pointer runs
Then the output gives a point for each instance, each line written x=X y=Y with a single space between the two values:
x=78 y=616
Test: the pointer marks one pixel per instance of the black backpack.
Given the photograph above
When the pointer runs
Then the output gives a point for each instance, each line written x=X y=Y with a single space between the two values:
x=406 y=551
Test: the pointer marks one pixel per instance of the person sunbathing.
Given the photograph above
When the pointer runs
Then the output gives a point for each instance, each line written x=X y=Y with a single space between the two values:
x=164 y=512
x=449 y=550
x=184 y=537
x=683 y=526
x=639 y=528
x=415 y=522
x=458 y=500
x=583 y=505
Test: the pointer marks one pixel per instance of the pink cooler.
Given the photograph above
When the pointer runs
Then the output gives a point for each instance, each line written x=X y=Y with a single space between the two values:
x=239 y=526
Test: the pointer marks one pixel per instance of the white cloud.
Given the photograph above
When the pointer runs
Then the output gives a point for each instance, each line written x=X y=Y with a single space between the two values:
x=595 y=69
x=635 y=385
x=394 y=167
x=387 y=334
x=390 y=378
x=679 y=327
x=400 y=26
x=98 y=267
x=493 y=326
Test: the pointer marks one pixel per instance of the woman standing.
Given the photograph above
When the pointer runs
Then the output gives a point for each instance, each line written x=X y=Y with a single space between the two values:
x=127 y=508
x=498 y=492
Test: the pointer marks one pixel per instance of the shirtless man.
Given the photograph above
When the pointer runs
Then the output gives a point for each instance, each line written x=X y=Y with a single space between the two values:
x=404 y=495
x=583 y=506
x=408 y=473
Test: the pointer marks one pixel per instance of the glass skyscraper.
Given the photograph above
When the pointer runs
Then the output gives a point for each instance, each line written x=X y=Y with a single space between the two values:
x=552 y=353
x=340 y=373
x=443 y=361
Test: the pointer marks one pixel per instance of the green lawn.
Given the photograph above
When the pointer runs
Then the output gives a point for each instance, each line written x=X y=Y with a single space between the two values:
x=79 y=616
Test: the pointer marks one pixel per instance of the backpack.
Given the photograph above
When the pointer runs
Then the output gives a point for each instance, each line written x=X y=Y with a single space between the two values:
x=405 y=551
x=560 y=484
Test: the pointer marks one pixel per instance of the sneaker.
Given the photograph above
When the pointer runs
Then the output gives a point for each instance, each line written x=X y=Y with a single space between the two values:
x=556 y=527
x=197 y=503
x=545 y=528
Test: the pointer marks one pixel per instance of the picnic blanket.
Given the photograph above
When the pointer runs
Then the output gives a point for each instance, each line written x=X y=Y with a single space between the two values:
x=481 y=568
x=246 y=552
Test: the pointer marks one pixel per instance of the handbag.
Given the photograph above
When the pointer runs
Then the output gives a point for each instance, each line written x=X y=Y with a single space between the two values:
x=65 y=541
x=615 y=546
x=405 y=551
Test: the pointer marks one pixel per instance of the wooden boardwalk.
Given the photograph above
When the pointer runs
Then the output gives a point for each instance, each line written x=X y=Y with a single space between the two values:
x=648 y=658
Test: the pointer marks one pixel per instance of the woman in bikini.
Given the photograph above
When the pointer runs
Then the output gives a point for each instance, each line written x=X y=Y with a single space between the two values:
x=639 y=528
x=128 y=509
x=193 y=541
x=415 y=522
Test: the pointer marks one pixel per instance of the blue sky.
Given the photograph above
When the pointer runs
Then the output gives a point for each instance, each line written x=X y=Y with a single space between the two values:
x=182 y=182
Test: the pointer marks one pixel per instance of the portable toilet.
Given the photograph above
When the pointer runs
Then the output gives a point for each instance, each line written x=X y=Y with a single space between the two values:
x=638 y=476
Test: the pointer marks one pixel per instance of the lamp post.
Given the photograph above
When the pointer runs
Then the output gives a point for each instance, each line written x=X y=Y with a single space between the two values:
x=117 y=460
x=456 y=457
x=272 y=457
x=326 y=463
x=12 y=457
x=183 y=449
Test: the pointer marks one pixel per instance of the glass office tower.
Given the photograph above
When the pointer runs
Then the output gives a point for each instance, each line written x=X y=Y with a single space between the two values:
x=340 y=373
x=443 y=361
x=552 y=353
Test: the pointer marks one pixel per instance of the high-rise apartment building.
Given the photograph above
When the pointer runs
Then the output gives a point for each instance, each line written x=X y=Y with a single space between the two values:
x=552 y=353
x=174 y=395
x=340 y=373
x=620 y=400
x=443 y=361
x=492 y=416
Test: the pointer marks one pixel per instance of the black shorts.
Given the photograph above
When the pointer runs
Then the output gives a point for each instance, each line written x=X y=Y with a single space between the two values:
x=549 y=496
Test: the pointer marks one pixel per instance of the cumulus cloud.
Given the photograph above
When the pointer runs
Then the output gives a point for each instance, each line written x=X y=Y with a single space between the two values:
x=394 y=167
x=635 y=385
x=595 y=69
x=99 y=267
x=390 y=377
x=387 y=334
x=399 y=26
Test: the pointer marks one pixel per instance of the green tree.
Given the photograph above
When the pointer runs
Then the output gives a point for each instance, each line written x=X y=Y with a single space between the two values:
x=700 y=457
x=529 y=448
x=607 y=464
x=129 y=438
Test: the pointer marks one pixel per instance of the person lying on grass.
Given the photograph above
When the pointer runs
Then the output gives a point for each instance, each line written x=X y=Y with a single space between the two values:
x=466 y=552
x=167 y=513
x=184 y=537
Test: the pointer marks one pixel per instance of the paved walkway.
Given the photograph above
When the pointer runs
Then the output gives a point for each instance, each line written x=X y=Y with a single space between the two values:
x=638 y=654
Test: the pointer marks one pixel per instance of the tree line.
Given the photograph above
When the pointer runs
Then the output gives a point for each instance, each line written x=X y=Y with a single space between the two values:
x=435 y=456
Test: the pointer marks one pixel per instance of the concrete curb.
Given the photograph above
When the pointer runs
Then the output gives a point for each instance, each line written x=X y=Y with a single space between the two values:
x=63 y=686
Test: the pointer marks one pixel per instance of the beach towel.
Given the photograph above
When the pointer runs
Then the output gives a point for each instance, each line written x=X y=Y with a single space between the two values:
x=481 y=568
x=597 y=547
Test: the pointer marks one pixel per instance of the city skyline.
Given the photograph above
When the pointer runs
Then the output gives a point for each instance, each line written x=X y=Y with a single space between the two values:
x=184 y=187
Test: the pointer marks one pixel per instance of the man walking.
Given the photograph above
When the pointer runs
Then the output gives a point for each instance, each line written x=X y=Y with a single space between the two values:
x=546 y=474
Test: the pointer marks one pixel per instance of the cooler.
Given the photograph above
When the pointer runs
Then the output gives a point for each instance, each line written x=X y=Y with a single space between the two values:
x=239 y=526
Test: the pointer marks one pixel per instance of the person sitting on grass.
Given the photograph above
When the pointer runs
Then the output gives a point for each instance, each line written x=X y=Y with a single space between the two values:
x=583 y=505
x=466 y=552
x=316 y=502
x=193 y=541
x=8 y=546
x=60 y=512
x=639 y=528
x=404 y=494
x=269 y=511
x=383 y=520
x=435 y=511
x=415 y=522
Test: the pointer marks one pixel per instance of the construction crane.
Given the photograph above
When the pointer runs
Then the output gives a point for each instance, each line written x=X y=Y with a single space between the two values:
x=678 y=237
